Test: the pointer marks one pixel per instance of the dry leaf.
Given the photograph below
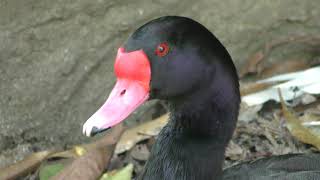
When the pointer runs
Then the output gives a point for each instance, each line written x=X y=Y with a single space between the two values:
x=304 y=107
x=234 y=151
x=296 y=128
x=27 y=165
x=127 y=141
x=141 y=132
x=123 y=174
x=92 y=164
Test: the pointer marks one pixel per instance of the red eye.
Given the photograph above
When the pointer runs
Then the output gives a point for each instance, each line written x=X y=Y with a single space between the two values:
x=162 y=49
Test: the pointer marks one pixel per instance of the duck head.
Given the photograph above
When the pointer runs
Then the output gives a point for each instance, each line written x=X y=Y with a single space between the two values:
x=170 y=58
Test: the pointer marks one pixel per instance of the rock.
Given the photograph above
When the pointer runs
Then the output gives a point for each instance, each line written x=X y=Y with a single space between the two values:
x=56 y=57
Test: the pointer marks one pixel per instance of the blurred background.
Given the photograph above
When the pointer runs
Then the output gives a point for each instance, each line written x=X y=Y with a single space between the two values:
x=56 y=57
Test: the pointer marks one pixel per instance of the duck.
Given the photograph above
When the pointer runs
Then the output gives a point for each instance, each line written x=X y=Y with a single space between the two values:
x=178 y=60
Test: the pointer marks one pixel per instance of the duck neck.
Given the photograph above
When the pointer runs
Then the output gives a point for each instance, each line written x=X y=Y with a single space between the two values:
x=206 y=112
x=192 y=144
x=206 y=120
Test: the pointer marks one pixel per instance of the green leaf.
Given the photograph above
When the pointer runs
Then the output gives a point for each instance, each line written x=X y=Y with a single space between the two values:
x=50 y=170
x=122 y=174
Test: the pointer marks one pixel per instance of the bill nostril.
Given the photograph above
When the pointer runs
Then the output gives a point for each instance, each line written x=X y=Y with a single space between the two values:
x=123 y=92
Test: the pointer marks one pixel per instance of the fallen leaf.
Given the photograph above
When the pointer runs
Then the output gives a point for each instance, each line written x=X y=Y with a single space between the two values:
x=296 y=128
x=79 y=150
x=141 y=132
x=27 y=165
x=311 y=121
x=127 y=141
x=48 y=171
x=234 y=151
x=123 y=174
x=91 y=164
x=70 y=153
x=248 y=113
x=304 y=107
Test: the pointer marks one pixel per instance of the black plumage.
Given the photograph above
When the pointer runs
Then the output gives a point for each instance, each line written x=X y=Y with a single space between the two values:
x=199 y=81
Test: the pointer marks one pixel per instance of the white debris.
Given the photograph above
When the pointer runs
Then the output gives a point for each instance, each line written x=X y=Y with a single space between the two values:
x=294 y=85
